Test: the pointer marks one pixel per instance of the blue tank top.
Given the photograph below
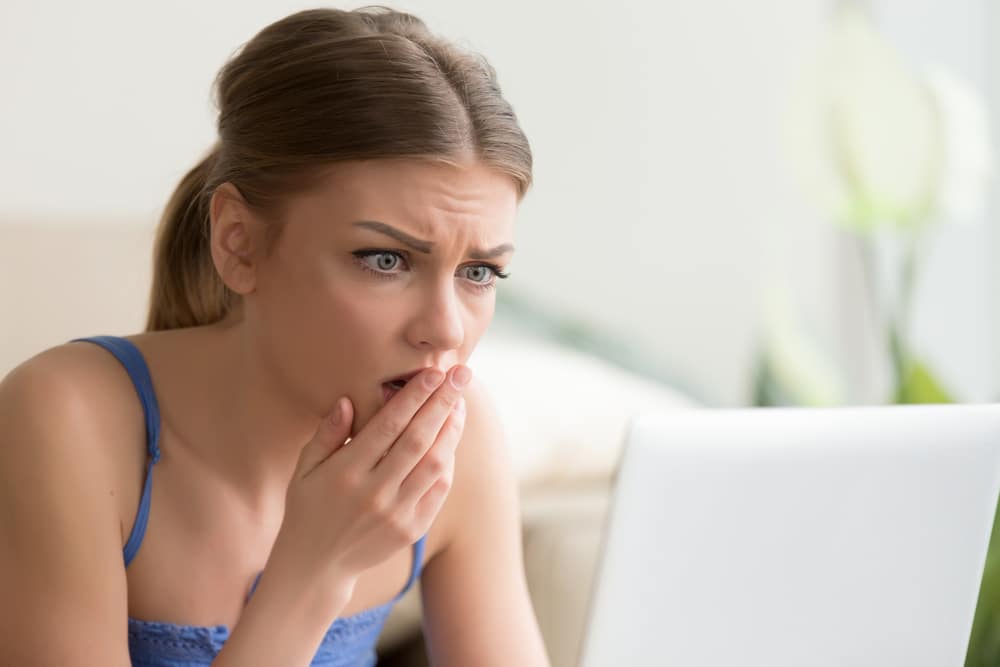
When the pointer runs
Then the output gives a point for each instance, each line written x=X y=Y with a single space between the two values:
x=350 y=640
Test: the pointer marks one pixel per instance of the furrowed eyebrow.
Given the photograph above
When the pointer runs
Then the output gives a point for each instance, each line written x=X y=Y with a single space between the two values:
x=476 y=253
x=398 y=234
x=426 y=246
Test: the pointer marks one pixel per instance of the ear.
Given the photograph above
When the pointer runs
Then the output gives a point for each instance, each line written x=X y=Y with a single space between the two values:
x=235 y=237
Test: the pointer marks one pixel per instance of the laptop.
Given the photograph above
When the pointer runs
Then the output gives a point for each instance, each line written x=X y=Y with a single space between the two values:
x=796 y=537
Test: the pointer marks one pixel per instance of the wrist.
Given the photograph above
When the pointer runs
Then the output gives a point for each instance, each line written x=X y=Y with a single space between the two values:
x=285 y=619
x=289 y=583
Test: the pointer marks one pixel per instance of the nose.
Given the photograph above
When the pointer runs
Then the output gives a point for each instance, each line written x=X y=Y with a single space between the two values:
x=437 y=323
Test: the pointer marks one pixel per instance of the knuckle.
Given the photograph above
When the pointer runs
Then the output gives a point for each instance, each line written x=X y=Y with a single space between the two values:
x=445 y=399
x=390 y=426
x=456 y=424
x=379 y=503
x=351 y=478
x=400 y=525
x=443 y=483
x=435 y=466
x=441 y=486
x=413 y=445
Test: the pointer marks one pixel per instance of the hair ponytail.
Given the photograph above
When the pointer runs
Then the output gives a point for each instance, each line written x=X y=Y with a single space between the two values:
x=187 y=290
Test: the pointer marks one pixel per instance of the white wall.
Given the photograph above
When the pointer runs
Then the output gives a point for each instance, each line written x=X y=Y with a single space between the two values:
x=957 y=298
x=663 y=201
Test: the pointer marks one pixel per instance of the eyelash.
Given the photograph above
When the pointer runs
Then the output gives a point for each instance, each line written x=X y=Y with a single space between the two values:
x=481 y=287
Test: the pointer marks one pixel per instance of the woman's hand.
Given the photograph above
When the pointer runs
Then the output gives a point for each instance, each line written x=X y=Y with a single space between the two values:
x=350 y=507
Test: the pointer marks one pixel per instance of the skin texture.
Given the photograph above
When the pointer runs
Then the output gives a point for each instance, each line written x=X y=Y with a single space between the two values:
x=239 y=399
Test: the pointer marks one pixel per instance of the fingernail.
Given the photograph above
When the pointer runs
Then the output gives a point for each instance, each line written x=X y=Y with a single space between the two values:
x=461 y=377
x=337 y=413
x=433 y=378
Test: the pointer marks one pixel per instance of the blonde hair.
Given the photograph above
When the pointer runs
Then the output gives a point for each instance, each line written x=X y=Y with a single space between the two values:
x=318 y=87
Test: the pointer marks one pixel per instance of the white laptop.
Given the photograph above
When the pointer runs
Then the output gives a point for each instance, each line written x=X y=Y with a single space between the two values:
x=793 y=537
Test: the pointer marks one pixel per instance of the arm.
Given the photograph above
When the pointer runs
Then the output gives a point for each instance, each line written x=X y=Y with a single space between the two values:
x=476 y=605
x=62 y=577
x=346 y=509
x=63 y=586
x=284 y=621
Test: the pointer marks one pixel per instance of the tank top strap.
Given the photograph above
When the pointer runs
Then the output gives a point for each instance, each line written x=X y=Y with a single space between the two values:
x=415 y=568
x=135 y=365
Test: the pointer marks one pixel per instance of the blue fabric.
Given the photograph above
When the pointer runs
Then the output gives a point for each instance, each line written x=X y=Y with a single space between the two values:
x=130 y=357
x=349 y=642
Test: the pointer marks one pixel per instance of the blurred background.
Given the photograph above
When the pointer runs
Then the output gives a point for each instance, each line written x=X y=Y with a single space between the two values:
x=668 y=206
x=744 y=203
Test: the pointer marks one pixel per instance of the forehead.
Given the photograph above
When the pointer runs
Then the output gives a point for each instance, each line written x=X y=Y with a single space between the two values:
x=421 y=196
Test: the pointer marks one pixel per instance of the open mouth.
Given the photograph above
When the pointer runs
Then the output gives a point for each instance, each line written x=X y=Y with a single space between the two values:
x=390 y=388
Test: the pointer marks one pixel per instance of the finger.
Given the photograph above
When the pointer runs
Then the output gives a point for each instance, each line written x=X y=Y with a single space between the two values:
x=330 y=436
x=429 y=506
x=378 y=435
x=388 y=423
x=438 y=464
x=423 y=430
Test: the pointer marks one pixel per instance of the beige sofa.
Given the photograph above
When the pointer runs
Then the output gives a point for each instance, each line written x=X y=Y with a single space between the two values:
x=61 y=279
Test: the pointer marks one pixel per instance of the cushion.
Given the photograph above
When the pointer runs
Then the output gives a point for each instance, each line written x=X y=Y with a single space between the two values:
x=565 y=412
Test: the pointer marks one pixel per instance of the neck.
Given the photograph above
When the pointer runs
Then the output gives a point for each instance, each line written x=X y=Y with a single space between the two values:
x=236 y=417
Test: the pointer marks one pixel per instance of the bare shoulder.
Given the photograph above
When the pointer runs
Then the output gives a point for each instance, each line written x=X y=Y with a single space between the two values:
x=78 y=404
x=60 y=526
x=74 y=388
x=76 y=367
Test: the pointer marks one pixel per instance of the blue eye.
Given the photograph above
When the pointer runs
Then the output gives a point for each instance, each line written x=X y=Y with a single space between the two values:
x=389 y=264
x=480 y=274
x=380 y=261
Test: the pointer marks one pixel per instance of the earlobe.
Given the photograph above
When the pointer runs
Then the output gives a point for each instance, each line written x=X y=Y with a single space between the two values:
x=231 y=239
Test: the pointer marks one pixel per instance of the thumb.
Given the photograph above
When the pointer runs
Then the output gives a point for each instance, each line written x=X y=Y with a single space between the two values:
x=333 y=430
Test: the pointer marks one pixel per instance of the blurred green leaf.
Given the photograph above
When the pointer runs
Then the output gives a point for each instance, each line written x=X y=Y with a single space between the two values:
x=767 y=388
x=918 y=385
x=984 y=641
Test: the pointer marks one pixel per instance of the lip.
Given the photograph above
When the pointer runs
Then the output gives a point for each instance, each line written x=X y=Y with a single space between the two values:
x=387 y=393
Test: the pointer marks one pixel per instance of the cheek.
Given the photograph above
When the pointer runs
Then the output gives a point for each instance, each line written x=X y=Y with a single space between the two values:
x=287 y=287
x=359 y=318
x=362 y=328
x=320 y=294
x=310 y=312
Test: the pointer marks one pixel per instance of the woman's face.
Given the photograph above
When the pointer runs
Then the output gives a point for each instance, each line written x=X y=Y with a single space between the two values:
x=388 y=267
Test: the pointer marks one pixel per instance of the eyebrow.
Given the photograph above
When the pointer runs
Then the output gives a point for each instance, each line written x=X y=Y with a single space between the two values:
x=426 y=246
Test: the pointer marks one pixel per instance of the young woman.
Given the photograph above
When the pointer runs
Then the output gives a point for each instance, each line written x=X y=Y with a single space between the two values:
x=295 y=440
